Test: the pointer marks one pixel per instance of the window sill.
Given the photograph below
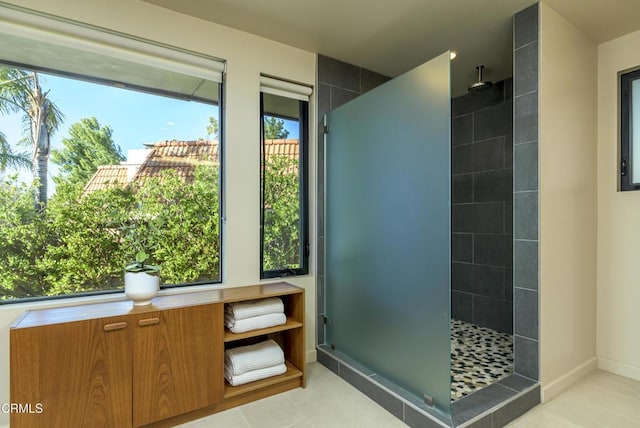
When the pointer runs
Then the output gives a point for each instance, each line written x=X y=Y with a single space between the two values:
x=102 y=298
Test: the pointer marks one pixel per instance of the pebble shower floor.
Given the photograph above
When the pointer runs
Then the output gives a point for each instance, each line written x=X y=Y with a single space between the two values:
x=479 y=357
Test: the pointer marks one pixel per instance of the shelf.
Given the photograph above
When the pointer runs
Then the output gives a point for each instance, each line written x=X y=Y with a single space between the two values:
x=232 y=391
x=290 y=324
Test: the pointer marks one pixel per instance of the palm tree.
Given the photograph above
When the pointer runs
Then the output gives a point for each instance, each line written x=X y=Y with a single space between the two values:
x=20 y=92
x=8 y=159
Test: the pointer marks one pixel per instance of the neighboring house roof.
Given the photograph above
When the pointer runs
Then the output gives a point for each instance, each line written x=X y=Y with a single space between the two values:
x=282 y=147
x=107 y=176
x=181 y=156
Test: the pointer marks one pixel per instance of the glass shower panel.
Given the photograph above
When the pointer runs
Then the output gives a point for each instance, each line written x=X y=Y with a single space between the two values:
x=387 y=236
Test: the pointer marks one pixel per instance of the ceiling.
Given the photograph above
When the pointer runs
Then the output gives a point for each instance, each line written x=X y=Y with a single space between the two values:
x=392 y=37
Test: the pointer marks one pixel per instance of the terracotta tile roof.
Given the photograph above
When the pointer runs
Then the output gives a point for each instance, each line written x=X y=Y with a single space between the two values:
x=289 y=148
x=107 y=176
x=182 y=156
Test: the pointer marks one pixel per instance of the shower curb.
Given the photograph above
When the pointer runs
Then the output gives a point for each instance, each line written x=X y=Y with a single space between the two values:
x=478 y=410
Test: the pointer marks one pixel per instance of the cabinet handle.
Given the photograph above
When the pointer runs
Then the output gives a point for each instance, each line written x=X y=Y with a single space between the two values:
x=149 y=321
x=115 y=326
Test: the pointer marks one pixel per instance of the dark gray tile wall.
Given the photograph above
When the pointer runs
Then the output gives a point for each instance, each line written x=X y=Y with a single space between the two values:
x=526 y=195
x=338 y=83
x=482 y=201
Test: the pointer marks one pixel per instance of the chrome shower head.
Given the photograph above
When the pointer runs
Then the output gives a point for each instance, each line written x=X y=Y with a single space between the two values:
x=480 y=85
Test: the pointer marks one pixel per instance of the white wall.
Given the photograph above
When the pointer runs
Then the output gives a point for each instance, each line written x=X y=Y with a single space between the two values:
x=618 y=223
x=247 y=56
x=568 y=200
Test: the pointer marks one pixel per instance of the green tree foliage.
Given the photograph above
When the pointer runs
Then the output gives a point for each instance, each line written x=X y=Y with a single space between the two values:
x=87 y=146
x=85 y=253
x=187 y=247
x=21 y=92
x=77 y=244
x=24 y=237
x=281 y=217
x=9 y=159
x=213 y=127
x=274 y=128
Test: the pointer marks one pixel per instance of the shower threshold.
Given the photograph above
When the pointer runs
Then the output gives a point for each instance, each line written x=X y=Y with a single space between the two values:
x=492 y=406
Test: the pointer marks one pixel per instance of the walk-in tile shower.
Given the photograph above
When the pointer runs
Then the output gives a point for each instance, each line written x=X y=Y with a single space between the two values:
x=486 y=375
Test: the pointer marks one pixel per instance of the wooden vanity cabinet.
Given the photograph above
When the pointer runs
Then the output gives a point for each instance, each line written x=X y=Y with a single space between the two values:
x=81 y=369
x=176 y=365
x=124 y=371
x=113 y=365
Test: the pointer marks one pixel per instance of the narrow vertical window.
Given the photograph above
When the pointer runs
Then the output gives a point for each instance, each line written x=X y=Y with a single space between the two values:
x=630 y=131
x=284 y=178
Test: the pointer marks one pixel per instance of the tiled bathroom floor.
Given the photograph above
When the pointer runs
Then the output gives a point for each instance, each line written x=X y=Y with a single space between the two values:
x=479 y=357
x=329 y=401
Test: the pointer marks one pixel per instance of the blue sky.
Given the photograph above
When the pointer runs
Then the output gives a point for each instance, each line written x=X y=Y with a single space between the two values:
x=135 y=117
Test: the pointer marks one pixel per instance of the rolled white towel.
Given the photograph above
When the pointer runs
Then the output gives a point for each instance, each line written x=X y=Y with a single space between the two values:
x=254 y=323
x=254 y=308
x=254 y=375
x=244 y=359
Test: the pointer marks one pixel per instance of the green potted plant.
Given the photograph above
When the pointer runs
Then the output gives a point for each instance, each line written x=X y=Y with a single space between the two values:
x=141 y=278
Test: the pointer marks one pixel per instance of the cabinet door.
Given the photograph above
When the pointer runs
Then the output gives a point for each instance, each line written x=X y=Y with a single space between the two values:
x=79 y=372
x=177 y=362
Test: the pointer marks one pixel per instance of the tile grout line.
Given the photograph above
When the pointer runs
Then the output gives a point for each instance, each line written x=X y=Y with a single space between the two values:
x=525 y=94
x=522 y=143
x=245 y=418
x=484 y=140
x=525 y=45
x=527 y=338
x=507 y=168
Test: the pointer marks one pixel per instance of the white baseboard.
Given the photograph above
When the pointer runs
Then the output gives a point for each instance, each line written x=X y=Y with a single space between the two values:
x=619 y=368
x=311 y=356
x=563 y=382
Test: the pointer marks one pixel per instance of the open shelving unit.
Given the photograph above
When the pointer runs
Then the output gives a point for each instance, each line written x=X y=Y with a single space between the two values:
x=290 y=337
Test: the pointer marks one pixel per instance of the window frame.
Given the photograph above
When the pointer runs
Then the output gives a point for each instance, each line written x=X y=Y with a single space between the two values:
x=303 y=157
x=626 y=166
x=220 y=182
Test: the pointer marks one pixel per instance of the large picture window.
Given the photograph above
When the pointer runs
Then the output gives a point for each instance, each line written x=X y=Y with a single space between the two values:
x=102 y=156
x=630 y=131
x=284 y=182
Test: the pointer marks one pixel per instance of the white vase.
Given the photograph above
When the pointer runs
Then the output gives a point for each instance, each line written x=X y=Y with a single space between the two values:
x=140 y=287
